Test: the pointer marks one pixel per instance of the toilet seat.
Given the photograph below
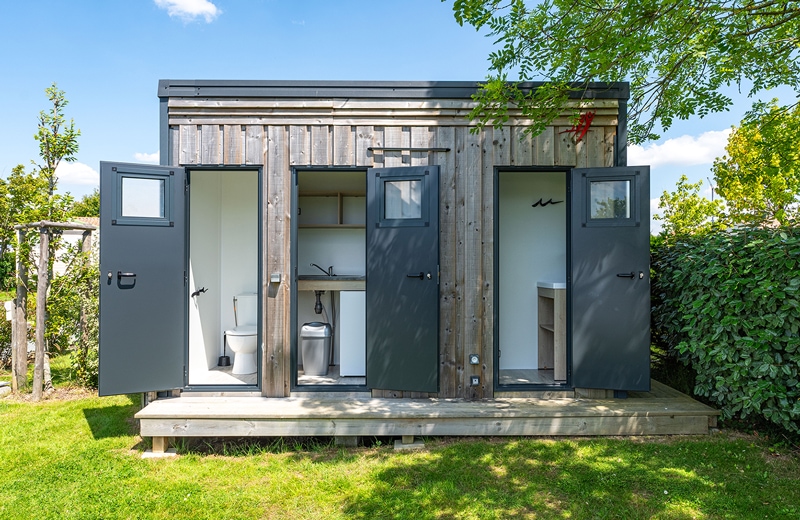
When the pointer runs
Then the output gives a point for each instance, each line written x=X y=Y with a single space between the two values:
x=245 y=330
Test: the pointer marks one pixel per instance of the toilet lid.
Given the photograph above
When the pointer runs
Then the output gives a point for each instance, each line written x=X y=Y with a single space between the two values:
x=241 y=331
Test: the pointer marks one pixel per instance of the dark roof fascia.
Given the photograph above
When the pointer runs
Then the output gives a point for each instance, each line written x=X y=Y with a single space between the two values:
x=363 y=89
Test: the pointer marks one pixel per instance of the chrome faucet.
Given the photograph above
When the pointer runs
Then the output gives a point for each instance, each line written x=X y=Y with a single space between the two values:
x=329 y=272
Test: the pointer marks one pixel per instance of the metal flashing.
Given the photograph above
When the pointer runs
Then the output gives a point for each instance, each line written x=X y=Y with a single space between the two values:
x=364 y=89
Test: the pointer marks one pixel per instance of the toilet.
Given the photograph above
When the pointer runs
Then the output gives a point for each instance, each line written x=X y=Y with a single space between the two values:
x=243 y=338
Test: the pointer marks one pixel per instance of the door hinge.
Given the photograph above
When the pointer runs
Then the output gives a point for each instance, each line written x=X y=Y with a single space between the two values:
x=185 y=372
x=499 y=353
x=185 y=279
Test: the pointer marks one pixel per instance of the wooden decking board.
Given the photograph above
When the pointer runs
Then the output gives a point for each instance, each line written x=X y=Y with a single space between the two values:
x=377 y=408
x=662 y=411
x=556 y=426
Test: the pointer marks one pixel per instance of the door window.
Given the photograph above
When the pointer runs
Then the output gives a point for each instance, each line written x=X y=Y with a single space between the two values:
x=402 y=199
x=610 y=199
x=142 y=197
x=143 y=200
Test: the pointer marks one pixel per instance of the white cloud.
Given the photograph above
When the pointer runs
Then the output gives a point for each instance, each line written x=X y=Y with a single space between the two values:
x=147 y=157
x=685 y=150
x=77 y=173
x=189 y=10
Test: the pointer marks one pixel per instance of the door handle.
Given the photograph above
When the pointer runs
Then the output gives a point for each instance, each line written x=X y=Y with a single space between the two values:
x=626 y=275
x=421 y=275
x=121 y=275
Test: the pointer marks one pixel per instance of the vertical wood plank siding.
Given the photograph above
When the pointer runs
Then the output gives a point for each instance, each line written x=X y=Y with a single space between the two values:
x=201 y=132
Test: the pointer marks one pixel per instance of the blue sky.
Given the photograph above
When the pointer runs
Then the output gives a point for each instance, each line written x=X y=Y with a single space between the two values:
x=108 y=55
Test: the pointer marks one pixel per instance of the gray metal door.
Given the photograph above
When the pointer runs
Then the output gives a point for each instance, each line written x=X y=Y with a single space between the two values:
x=142 y=293
x=610 y=278
x=403 y=278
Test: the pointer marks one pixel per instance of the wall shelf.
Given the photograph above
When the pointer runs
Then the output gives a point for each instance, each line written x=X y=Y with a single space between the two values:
x=553 y=330
x=331 y=226
x=331 y=209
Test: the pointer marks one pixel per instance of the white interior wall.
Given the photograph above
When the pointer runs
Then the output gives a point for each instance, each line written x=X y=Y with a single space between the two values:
x=532 y=248
x=345 y=249
x=204 y=271
x=223 y=256
x=239 y=245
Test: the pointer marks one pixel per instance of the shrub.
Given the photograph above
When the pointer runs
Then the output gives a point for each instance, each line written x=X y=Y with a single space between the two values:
x=76 y=289
x=8 y=281
x=5 y=342
x=728 y=303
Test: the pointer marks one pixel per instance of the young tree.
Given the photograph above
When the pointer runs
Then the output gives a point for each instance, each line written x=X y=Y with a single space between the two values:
x=58 y=141
x=760 y=174
x=677 y=55
x=686 y=212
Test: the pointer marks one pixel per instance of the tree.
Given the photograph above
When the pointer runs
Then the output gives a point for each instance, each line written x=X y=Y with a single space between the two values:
x=88 y=206
x=58 y=141
x=677 y=55
x=21 y=197
x=686 y=212
x=760 y=174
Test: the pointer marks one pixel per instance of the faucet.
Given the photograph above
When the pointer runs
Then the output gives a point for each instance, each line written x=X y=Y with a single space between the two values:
x=329 y=272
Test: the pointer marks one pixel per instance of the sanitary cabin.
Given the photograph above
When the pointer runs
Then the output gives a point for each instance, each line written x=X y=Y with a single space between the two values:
x=388 y=256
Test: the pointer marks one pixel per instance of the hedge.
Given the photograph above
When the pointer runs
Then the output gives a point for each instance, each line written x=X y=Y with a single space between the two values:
x=728 y=303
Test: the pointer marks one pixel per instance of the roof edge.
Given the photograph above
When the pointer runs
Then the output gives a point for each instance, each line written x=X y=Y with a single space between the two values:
x=364 y=89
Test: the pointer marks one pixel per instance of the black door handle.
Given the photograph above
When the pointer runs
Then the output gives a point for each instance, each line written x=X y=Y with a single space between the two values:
x=121 y=275
x=626 y=275
x=421 y=276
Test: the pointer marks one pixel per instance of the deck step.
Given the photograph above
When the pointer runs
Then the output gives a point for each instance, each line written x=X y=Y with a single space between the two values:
x=661 y=414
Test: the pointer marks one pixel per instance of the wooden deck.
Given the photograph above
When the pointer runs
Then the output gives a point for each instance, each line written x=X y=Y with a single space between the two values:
x=663 y=411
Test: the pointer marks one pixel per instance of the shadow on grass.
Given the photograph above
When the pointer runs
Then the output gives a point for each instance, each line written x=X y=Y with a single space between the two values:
x=113 y=420
x=525 y=479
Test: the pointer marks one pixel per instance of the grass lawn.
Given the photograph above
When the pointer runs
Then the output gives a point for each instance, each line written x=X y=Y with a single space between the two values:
x=80 y=458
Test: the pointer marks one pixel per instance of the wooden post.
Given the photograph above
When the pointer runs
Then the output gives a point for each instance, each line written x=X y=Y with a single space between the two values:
x=41 y=312
x=19 y=323
x=86 y=247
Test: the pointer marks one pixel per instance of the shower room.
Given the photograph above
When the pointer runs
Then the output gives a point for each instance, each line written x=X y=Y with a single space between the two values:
x=223 y=281
x=532 y=263
x=329 y=255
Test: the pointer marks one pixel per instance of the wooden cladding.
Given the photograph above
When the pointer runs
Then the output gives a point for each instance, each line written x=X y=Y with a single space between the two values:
x=281 y=134
x=211 y=145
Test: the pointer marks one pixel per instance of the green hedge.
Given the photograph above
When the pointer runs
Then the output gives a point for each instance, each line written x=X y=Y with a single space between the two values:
x=728 y=303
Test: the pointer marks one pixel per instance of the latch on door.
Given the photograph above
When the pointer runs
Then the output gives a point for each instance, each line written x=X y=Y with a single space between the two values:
x=630 y=275
x=421 y=276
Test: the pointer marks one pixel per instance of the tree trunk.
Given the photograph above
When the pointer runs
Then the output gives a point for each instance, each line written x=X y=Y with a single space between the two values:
x=19 y=343
x=41 y=312
x=48 y=378
x=86 y=247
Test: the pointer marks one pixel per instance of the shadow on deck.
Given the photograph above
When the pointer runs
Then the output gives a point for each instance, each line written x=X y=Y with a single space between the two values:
x=662 y=411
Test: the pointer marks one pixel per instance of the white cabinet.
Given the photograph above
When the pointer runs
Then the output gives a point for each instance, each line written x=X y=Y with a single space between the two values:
x=352 y=333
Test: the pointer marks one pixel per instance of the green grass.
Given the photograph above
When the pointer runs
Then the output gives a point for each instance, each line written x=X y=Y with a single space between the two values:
x=60 y=370
x=7 y=295
x=81 y=459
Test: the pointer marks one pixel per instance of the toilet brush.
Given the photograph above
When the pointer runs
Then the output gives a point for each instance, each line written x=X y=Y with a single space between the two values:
x=224 y=359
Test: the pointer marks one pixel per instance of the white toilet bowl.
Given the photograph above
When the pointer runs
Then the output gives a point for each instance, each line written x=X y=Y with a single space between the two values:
x=242 y=342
